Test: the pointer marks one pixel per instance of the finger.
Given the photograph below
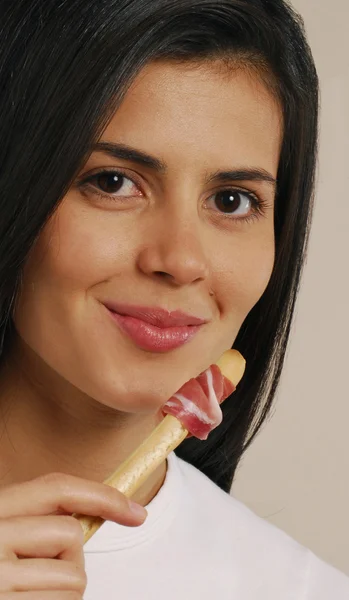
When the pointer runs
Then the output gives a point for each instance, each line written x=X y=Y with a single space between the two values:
x=42 y=537
x=42 y=574
x=41 y=596
x=68 y=494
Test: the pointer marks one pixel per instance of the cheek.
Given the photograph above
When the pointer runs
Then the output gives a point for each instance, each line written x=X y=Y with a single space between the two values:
x=77 y=250
x=81 y=248
x=244 y=278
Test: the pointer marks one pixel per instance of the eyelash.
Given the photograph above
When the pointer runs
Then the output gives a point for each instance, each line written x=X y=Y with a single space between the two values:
x=259 y=205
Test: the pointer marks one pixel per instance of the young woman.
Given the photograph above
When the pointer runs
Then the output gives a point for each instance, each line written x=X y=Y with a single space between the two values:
x=157 y=165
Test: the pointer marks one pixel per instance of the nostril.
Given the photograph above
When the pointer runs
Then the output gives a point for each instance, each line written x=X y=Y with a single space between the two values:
x=162 y=274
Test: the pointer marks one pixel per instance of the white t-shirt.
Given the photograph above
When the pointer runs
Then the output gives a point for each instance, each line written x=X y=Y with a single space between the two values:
x=200 y=543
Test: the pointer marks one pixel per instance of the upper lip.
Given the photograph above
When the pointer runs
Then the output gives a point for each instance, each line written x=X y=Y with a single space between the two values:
x=155 y=315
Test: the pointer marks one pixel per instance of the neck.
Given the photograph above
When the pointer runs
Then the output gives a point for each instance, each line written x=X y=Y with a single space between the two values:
x=46 y=426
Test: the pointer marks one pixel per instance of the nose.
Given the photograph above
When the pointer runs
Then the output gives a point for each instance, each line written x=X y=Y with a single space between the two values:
x=174 y=251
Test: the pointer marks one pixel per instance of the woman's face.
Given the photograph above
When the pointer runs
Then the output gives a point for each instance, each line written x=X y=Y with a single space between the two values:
x=182 y=221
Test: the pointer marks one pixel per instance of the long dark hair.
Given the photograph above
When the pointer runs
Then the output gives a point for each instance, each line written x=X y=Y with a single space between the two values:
x=64 y=68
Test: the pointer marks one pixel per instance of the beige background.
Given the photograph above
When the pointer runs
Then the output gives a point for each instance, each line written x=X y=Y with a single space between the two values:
x=296 y=474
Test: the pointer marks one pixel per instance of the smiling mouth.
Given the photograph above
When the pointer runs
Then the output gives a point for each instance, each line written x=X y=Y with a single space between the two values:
x=156 y=330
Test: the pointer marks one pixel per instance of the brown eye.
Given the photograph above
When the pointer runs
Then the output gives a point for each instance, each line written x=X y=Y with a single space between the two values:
x=110 y=183
x=228 y=201
x=233 y=202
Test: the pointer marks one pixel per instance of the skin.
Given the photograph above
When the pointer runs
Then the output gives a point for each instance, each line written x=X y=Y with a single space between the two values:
x=77 y=394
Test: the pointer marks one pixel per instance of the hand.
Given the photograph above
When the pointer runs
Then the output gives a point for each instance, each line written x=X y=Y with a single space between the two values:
x=41 y=546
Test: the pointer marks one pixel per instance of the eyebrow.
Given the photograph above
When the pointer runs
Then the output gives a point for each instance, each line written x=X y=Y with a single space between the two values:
x=124 y=152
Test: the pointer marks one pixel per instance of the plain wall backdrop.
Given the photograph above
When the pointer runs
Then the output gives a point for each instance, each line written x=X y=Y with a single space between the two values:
x=296 y=473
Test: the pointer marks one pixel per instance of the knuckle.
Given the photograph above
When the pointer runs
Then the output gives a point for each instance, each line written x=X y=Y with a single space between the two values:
x=6 y=528
x=81 y=579
x=5 y=568
x=115 y=497
x=56 y=479
x=77 y=578
x=3 y=527
x=73 y=529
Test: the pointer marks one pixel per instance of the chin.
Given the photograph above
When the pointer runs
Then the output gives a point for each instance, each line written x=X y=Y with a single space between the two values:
x=130 y=396
x=132 y=403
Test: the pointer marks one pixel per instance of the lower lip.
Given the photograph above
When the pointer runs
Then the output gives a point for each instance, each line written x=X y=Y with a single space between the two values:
x=152 y=338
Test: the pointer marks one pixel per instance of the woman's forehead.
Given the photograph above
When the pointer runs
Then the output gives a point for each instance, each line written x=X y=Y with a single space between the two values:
x=184 y=113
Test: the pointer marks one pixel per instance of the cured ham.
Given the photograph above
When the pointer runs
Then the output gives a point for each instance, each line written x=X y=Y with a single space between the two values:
x=197 y=403
x=193 y=410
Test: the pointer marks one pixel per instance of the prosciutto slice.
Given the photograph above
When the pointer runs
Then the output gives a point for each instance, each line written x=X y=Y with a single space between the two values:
x=197 y=403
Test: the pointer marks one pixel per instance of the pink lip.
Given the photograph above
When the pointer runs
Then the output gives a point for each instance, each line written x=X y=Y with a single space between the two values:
x=155 y=329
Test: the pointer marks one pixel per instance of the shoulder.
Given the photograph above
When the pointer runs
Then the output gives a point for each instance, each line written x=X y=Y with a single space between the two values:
x=324 y=582
x=252 y=544
x=232 y=519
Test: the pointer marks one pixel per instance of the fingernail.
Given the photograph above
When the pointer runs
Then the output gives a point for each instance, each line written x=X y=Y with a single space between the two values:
x=137 y=509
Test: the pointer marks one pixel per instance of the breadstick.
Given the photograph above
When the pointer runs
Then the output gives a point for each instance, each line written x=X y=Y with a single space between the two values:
x=135 y=470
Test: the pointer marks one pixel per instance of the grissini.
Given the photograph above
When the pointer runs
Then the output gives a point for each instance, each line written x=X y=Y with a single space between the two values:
x=193 y=410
